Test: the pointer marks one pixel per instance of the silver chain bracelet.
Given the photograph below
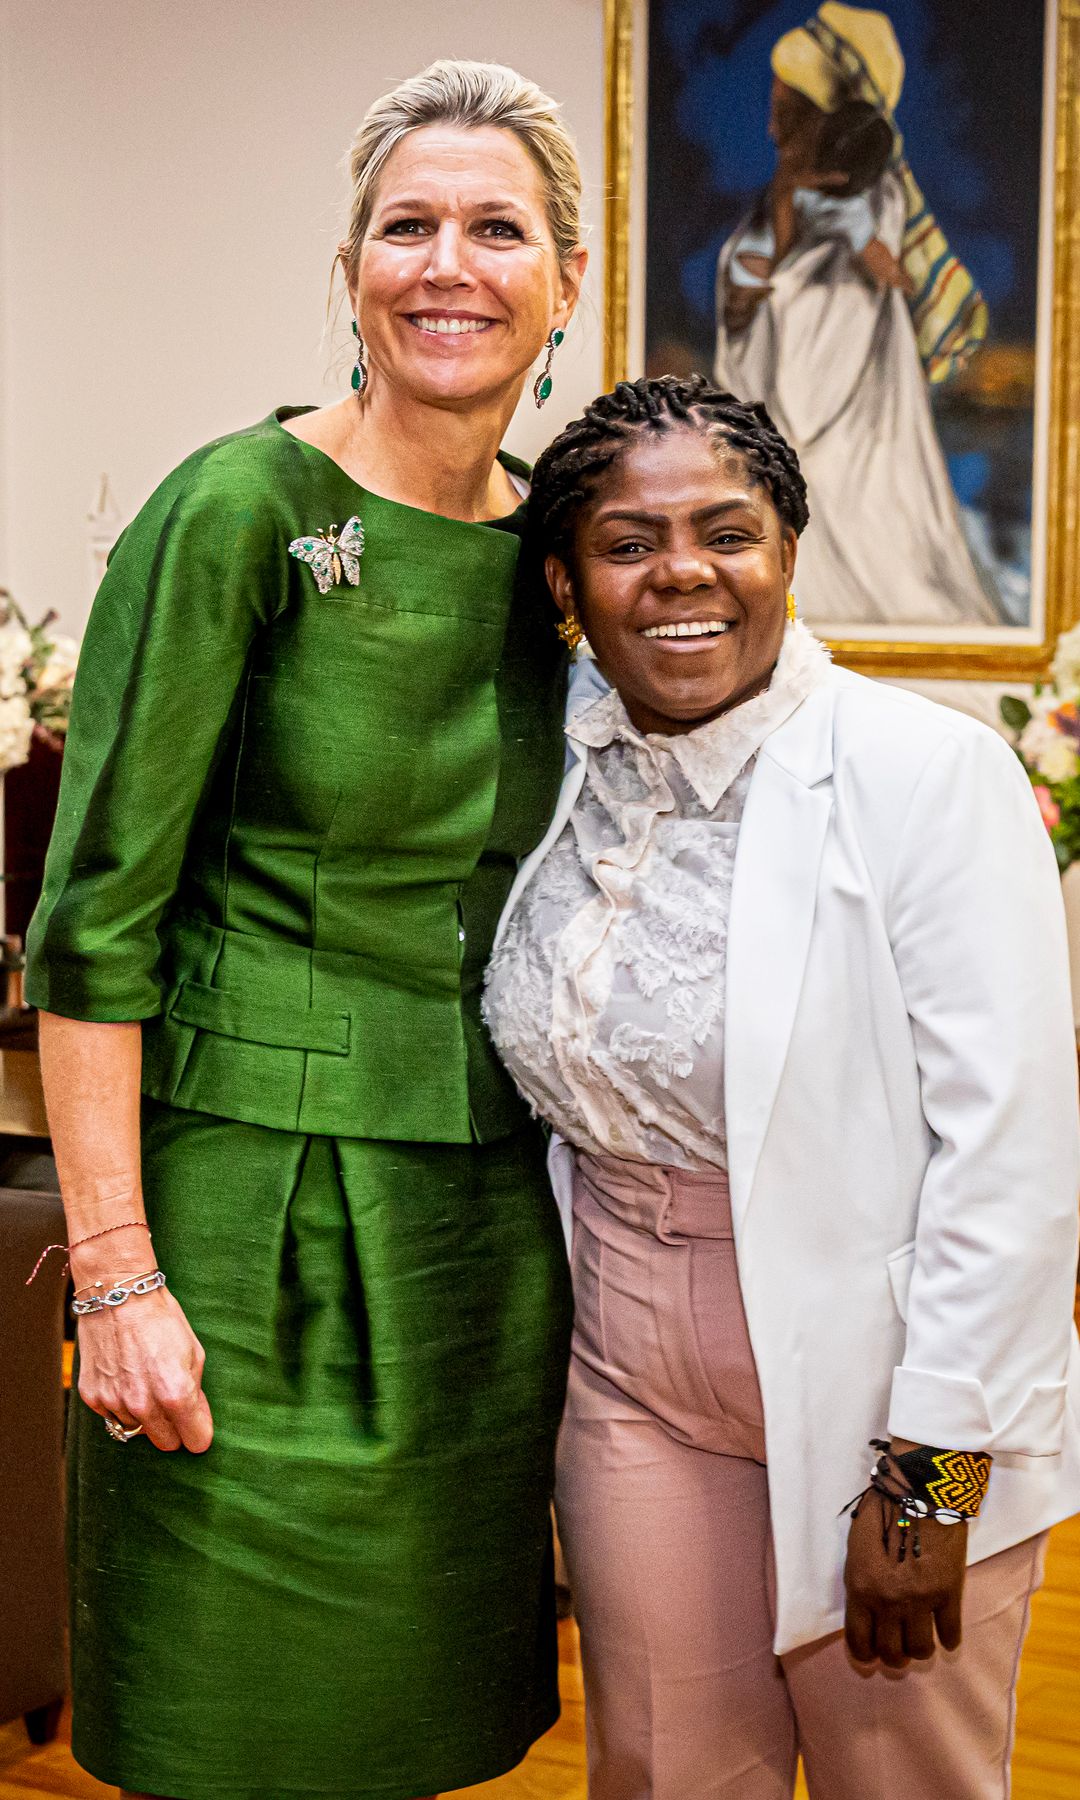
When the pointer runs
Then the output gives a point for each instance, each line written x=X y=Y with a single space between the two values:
x=118 y=1293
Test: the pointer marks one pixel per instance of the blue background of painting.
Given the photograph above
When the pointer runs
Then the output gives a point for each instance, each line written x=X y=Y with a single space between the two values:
x=971 y=115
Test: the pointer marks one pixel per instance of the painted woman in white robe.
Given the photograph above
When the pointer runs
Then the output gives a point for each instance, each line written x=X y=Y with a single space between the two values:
x=814 y=320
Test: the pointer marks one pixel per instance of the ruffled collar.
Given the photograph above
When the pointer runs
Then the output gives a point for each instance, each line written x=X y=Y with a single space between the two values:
x=712 y=755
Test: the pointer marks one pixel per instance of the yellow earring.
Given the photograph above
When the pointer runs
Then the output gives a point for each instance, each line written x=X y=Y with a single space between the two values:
x=570 y=630
x=791 y=609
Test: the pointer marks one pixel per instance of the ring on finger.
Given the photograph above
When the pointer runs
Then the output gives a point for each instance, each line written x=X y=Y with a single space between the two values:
x=118 y=1431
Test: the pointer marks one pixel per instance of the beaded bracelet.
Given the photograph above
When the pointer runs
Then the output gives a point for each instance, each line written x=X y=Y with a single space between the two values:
x=948 y=1486
x=124 y=1289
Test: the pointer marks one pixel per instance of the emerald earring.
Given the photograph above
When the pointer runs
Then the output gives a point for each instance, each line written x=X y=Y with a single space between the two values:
x=543 y=384
x=359 y=374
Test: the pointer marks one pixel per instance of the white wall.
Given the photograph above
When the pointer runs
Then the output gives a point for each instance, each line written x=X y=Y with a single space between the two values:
x=171 y=192
x=170 y=195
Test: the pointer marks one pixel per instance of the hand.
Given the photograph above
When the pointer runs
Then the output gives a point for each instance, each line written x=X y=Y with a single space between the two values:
x=883 y=269
x=893 y=1607
x=740 y=305
x=142 y=1362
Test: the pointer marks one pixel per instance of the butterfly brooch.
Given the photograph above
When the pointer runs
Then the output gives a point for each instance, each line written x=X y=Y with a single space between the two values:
x=333 y=555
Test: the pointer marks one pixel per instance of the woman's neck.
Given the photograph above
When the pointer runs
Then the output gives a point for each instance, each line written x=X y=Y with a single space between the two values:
x=430 y=457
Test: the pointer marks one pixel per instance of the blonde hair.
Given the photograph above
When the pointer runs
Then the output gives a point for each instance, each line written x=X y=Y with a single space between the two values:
x=468 y=94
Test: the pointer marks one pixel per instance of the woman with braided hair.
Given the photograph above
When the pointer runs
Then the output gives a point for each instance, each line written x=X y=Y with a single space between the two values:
x=787 y=975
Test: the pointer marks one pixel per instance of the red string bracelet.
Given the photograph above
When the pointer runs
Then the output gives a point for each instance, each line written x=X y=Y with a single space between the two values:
x=125 y=1225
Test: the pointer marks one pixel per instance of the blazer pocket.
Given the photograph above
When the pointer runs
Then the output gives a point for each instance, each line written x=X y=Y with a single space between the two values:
x=256 y=1022
x=900 y=1265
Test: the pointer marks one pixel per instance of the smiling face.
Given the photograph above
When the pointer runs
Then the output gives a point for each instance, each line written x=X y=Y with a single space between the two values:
x=458 y=284
x=680 y=573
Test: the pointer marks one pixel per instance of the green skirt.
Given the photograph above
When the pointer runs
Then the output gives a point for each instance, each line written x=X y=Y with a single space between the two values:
x=351 y=1592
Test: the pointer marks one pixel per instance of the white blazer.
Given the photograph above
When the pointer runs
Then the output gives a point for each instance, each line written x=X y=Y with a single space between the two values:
x=901 y=1105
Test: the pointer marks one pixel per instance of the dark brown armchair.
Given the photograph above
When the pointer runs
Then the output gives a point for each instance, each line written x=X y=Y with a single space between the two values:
x=33 y=1657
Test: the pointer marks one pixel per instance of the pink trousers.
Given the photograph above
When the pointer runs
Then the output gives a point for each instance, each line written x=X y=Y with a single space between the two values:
x=664 y=1520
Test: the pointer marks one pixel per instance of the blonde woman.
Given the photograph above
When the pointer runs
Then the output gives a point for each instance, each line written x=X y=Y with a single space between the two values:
x=317 y=722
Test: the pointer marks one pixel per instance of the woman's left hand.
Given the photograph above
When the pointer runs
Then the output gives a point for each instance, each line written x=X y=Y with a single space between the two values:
x=893 y=1607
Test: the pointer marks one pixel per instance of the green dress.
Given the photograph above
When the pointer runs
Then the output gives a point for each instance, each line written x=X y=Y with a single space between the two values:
x=288 y=822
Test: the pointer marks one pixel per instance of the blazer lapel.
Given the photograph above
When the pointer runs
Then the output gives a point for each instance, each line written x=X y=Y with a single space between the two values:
x=774 y=892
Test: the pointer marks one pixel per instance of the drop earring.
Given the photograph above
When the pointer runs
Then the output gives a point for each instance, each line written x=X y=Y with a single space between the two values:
x=792 y=611
x=359 y=374
x=543 y=384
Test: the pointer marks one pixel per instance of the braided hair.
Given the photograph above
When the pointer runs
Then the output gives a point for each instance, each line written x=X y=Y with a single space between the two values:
x=568 y=472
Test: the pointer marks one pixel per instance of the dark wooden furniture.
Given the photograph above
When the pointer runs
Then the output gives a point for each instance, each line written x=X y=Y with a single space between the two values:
x=30 y=794
x=33 y=1608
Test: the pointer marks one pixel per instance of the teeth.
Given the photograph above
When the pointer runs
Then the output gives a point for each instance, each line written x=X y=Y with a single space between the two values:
x=452 y=327
x=697 y=628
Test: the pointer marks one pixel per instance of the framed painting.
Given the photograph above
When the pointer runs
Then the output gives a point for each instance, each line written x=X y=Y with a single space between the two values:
x=869 y=219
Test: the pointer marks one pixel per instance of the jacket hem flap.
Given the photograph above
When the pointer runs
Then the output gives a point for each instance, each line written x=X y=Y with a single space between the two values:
x=285 y=1028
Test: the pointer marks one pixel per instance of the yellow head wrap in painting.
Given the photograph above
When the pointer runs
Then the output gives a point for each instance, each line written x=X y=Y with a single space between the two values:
x=801 y=58
x=850 y=53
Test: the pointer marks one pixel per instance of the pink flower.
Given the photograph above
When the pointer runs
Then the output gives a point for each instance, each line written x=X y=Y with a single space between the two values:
x=1048 y=806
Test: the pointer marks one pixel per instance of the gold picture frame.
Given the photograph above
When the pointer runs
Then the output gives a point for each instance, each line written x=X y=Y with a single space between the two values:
x=998 y=661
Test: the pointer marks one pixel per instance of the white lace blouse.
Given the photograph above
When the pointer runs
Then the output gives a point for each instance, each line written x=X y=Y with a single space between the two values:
x=605 y=997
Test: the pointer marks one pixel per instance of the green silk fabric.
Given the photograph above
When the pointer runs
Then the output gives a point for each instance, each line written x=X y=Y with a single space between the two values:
x=288 y=820
x=351 y=1592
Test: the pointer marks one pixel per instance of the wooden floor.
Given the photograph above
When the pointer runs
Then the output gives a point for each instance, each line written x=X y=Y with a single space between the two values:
x=1046 y=1766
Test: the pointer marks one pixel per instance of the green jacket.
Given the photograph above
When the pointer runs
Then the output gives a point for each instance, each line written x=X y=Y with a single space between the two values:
x=289 y=820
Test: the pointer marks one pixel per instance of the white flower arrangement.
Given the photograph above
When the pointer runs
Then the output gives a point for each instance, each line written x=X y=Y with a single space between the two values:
x=37 y=671
x=1048 y=745
x=1065 y=668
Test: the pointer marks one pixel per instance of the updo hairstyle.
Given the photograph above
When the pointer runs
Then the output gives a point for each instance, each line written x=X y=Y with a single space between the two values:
x=467 y=94
x=568 y=474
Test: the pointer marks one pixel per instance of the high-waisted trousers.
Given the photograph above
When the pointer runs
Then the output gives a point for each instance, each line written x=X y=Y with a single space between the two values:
x=664 y=1518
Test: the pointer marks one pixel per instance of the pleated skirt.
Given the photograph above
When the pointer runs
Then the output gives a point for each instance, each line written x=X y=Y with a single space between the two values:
x=351 y=1592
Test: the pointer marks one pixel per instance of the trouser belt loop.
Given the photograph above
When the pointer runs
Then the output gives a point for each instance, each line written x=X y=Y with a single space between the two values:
x=670 y=1204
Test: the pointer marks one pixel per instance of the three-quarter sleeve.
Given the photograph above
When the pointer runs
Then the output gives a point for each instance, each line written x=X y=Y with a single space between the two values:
x=160 y=676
